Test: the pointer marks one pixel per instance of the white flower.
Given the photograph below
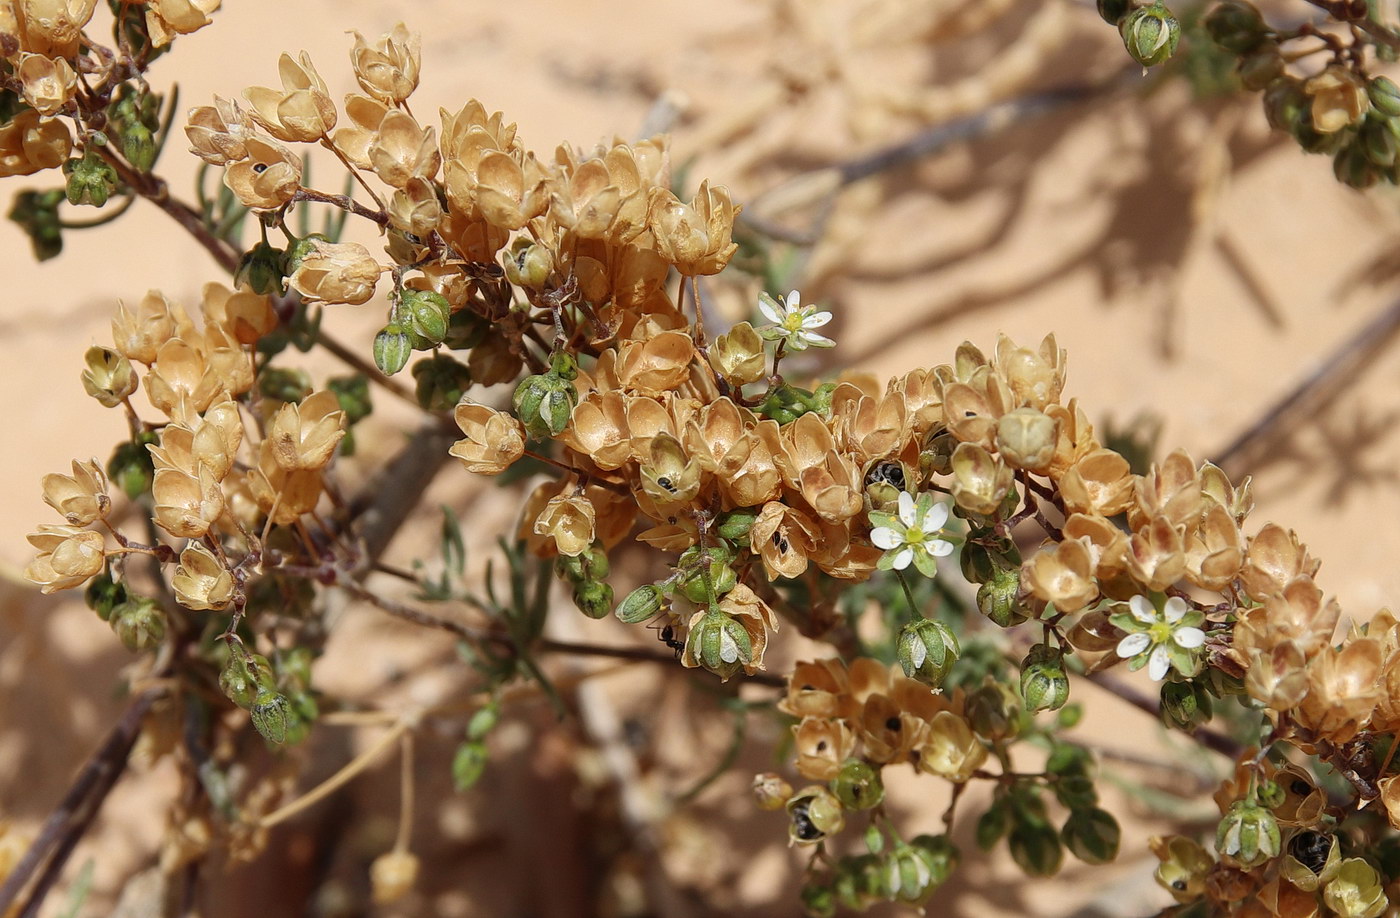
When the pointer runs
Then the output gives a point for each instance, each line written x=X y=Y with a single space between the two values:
x=1162 y=640
x=793 y=322
x=908 y=535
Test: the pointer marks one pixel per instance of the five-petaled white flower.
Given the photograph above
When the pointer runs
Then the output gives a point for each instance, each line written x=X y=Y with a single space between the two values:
x=1161 y=640
x=793 y=322
x=908 y=535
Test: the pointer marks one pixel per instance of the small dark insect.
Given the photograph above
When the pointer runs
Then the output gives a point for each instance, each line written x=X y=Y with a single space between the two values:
x=801 y=824
x=887 y=472
x=1311 y=849
x=668 y=637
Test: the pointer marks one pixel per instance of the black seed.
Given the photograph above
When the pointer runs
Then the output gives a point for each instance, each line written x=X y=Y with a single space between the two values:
x=1300 y=787
x=666 y=483
x=821 y=747
x=259 y=168
x=802 y=825
x=1311 y=849
x=1179 y=884
x=893 y=724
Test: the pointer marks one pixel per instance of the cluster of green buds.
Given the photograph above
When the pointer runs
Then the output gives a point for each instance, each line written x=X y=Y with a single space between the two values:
x=927 y=650
x=138 y=621
x=544 y=402
x=469 y=762
x=1019 y=814
x=1340 y=111
x=419 y=322
x=91 y=179
x=278 y=700
x=893 y=870
x=134 y=119
x=703 y=577
x=994 y=564
x=1149 y=31
x=587 y=574
x=786 y=403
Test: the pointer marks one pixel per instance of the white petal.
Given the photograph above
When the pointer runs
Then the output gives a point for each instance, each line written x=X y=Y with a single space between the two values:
x=906 y=508
x=1142 y=609
x=935 y=518
x=886 y=538
x=939 y=548
x=815 y=340
x=1175 y=608
x=918 y=653
x=1189 y=637
x=901 y=560
x=794 y=301
x=816 y=320
x=1133 y=644
x=728 y=647
x=770 y=312
x=1158 y=663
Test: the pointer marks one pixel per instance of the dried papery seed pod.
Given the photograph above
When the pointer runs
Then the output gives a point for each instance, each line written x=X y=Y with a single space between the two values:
x=1183 y=868
x=67 y=557
x=167 y=18
x=695 y=238
x=388 y=69
x=268 y=178
x=402 y=150
x=492 y=441
x=219 y=133
x=201 y=582
x=1312 y=859
x=302 y=111
x=1357 y=891
x=81 y=498
x=981 y=481
x=814 y=813
x=29 y=144
x=304 y=436
x=1062 y=574
x=334 y=272
x=820 y=746
x=1339 y=99
x=568 y=522
x=770 y=791
x=738 y=355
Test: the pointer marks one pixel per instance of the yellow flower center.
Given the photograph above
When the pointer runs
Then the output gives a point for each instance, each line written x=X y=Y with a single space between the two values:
x=793 y=321
x=1160 y=632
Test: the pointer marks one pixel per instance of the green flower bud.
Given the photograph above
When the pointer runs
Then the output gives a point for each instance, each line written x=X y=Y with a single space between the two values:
x=643 y=603
x=544 y=403
x=1385 y=95
x=138 y=146
x=998 y=599
x=1092 y=835
x=392 y=348
x=1261 y=67
x=1044 y=685
x=91 y=180
x=1185 y=705
x=857 y=785
x=1236 y=26
x=818 y=901
x=262 y=269
x=468 y=764
x=425 y=313
x=719 y=643
x=813 y=814
x=284 y=385
x=131 y=467
x=874 y=839
x=529 y=265
x=943 y=855
x=706 y=583
x=1286 y=104
x=734 y=526
x=139 y=622
x=927 y=649
x=1352 y=167
x=483 y=721
x=104 y=594
x=909 y=874
x=1248 y=835
x=36 y=212
x=441 y=382
x=1113 y=11
x=993 y=825
x=1271 y=794
x=353 y=394
x=245 y=676
x=1036 y=849
x=271 y=716
x=594 y=598
x=989 y=712
x=1378 y=142
x=1356 y=891
x=1150 y=34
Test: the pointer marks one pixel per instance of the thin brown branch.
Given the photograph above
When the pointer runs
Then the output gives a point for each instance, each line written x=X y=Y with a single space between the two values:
x=1211 y=739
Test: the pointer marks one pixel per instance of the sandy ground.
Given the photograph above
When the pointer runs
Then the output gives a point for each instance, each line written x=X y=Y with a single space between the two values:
x=1194 y=268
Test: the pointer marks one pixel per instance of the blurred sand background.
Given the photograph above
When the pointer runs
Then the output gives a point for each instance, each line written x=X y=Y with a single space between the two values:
x=1195 y=268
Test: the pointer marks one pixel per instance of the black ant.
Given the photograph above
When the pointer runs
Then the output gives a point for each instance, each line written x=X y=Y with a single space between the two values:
x=667 y=636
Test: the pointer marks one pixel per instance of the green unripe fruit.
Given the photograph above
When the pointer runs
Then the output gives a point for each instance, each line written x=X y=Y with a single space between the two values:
x=271 y=716
x=1150 y=33
x=139 y=622
x=1248 y=835
x=719 y=643
x=858 y=785
x=642 y=604
x=544 y=403
x=927 y=650
x=1113 y=11
x=1044 y=685
x=104 y=594
x=425 y=313
x=998 y=598
x=245 y=677
x=440 y=382
x=594 y=598
x=1236 y=26
x=392 y=348
x=1384 y=95
x=1185 y=705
